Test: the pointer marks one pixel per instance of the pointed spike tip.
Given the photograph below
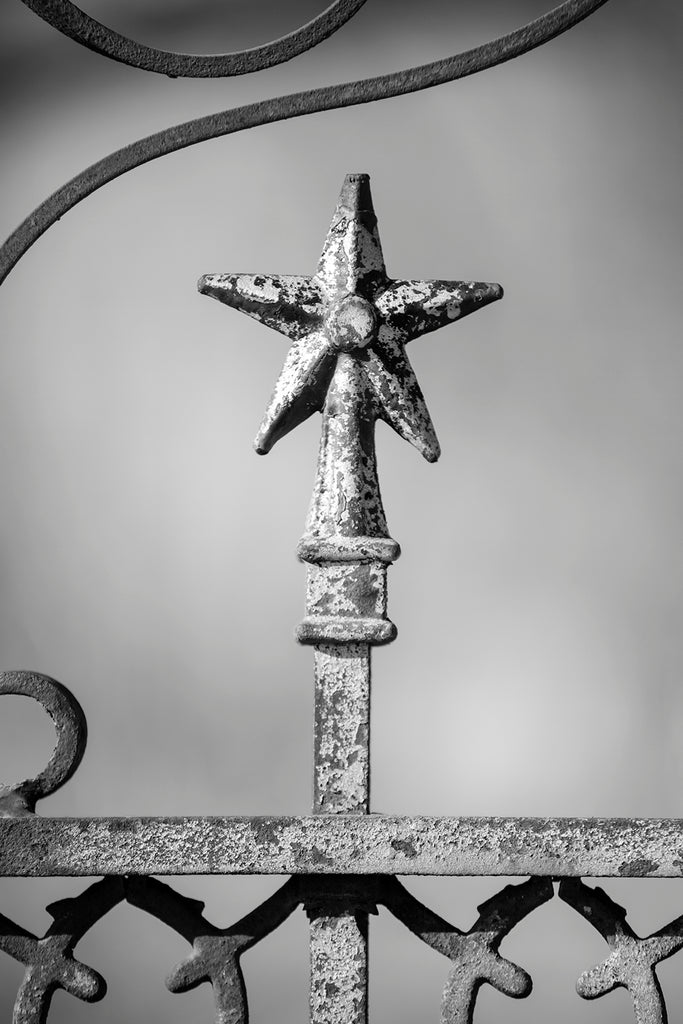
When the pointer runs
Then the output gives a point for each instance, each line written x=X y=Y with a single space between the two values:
x=486 y=293
x=479 y=294
x=355 y=194
x=218 y=286
x=428 y=446
x=262 y=443
x=223 y=287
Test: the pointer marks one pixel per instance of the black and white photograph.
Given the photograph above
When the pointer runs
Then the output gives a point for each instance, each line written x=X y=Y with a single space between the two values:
x=299 y=721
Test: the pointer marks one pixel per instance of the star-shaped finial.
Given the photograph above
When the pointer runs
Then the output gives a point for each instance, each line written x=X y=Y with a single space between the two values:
x=350 y=308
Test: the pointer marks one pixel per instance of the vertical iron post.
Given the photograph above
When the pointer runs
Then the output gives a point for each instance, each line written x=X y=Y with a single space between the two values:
x=338 y=924
x=348 y=551
x=348 y=326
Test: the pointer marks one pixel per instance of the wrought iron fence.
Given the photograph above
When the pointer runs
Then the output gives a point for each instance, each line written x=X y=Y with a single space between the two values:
x=348 y=325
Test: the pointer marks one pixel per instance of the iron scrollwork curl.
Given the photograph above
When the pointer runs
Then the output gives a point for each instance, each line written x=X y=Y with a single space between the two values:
x=216 y=952
x=70 y=20
x=49 y=962
x=335 y=899
x=282 y=108
x=72 y=731
x=632 y=960
x=474 y=955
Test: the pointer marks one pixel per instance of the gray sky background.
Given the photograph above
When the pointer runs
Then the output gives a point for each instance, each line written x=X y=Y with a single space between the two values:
x=147 y=554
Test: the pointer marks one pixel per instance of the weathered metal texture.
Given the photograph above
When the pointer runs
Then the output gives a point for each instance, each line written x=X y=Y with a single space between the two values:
x=346 y=603
x=79 y=26
x=474 y=954
x=227 y=122
x=347 y=590
x=632 y=962
x=338 y=967
x=216 y=952
x=343 y=844
x=72 y=732
x=338 y=910
x=341 y=783
x=348 y=326
x=337 y=907
x=49 y=962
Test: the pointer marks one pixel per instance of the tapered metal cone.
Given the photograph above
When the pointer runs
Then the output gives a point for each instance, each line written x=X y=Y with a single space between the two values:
x=475 y=294
x=352 y=261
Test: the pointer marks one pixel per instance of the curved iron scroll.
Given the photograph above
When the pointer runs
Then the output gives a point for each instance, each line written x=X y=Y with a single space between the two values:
x=474 y=955
x=216 y=952
x=49 y=962
x=632 y=961
x=331 y=97
x=72 y=732
x=69 y=19
x=215 y=956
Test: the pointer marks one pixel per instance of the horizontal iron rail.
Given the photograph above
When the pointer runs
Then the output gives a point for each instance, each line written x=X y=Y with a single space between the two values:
x=342 y=844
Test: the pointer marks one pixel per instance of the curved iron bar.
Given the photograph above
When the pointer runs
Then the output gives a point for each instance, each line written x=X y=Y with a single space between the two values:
x=72 y=733
x=216 y=952
x=49 y=962
x=474 y=954
x=632 y=960
x=71 y=21
x=282 y=108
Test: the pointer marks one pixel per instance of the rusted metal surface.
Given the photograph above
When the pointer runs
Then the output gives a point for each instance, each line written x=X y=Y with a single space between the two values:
x=237 y=119
x=632 y=961
x=69 y=19
x=343 y=844
x=338 y=911
x=49 y=962
x=216 y=952
x=72 y=732
x=474 y=954
x=348 y=326
x=341 y=780
x=338 y=966
x=341 y=784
